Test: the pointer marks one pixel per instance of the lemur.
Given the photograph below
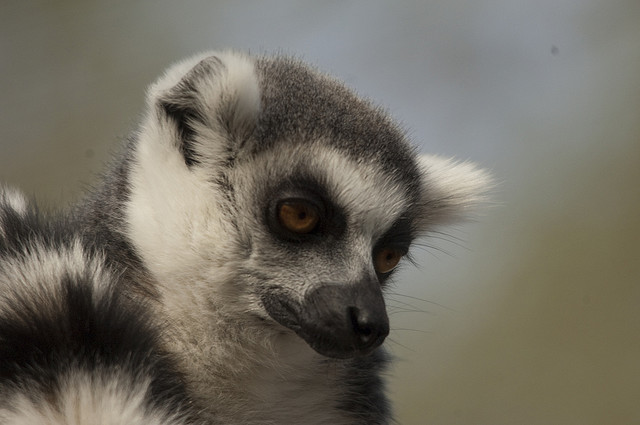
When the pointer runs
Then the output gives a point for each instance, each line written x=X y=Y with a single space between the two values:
x=246 y=236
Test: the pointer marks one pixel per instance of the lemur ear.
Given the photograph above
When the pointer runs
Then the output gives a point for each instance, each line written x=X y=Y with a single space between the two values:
x=450 y=189
x=209 y=103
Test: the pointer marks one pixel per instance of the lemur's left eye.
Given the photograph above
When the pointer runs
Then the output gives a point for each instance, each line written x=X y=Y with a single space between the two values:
x=298 y=216
x=387 y=259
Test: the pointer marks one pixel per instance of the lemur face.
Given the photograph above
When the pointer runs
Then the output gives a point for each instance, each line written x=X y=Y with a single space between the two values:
x=323 y=238
x=264 y=184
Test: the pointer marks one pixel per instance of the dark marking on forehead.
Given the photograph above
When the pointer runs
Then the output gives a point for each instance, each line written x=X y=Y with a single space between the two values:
x=300 y=105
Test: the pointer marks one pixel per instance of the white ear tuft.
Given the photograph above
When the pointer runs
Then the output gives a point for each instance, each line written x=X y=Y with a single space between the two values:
x=450 y=188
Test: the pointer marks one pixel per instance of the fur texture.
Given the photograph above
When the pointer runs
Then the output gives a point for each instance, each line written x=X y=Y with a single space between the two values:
x=266 y=325
x=73 y=349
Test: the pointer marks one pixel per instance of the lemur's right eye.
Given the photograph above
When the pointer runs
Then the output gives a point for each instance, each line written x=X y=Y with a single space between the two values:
x=298 y=216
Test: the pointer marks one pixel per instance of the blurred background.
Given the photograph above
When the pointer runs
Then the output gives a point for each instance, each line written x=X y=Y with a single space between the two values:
x=528 y=314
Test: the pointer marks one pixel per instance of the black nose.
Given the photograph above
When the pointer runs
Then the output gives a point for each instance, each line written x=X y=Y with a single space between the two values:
x=368 y=329
x=343 y=320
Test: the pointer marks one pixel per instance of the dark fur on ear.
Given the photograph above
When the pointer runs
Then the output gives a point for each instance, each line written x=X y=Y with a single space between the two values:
x=182 y=106
x=214 y=100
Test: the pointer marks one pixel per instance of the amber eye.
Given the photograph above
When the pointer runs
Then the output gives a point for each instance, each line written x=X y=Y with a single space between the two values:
x=298 y=216
x=387 y=260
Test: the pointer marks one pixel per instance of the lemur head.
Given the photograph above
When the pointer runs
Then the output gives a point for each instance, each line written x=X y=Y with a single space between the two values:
x=264 y=188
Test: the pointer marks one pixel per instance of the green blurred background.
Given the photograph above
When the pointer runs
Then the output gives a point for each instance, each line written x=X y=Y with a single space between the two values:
x=529 y=314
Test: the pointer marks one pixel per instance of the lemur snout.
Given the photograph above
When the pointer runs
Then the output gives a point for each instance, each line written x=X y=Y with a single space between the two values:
x=338 y=320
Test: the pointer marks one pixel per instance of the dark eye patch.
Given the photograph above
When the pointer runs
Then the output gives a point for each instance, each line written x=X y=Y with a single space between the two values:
x=399 y=235
x=397 y=240
x=330 y=219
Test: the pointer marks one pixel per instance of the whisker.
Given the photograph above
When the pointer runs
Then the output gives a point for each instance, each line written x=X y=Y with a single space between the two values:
x=430 y=248
x=412 y=330
x=403 y=311
x=445 y=236
x=393 y=341
x=401 y=303
x=397 y=294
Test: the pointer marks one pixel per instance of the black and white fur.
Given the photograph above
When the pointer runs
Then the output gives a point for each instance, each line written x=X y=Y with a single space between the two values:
x=73 y=348
x=262 y=327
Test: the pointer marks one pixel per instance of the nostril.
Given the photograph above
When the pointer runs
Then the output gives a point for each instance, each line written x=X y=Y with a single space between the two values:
x=366 y=331
x=360 y=322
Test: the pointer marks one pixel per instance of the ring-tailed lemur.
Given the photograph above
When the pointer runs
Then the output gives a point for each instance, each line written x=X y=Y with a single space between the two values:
x=256 y=217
